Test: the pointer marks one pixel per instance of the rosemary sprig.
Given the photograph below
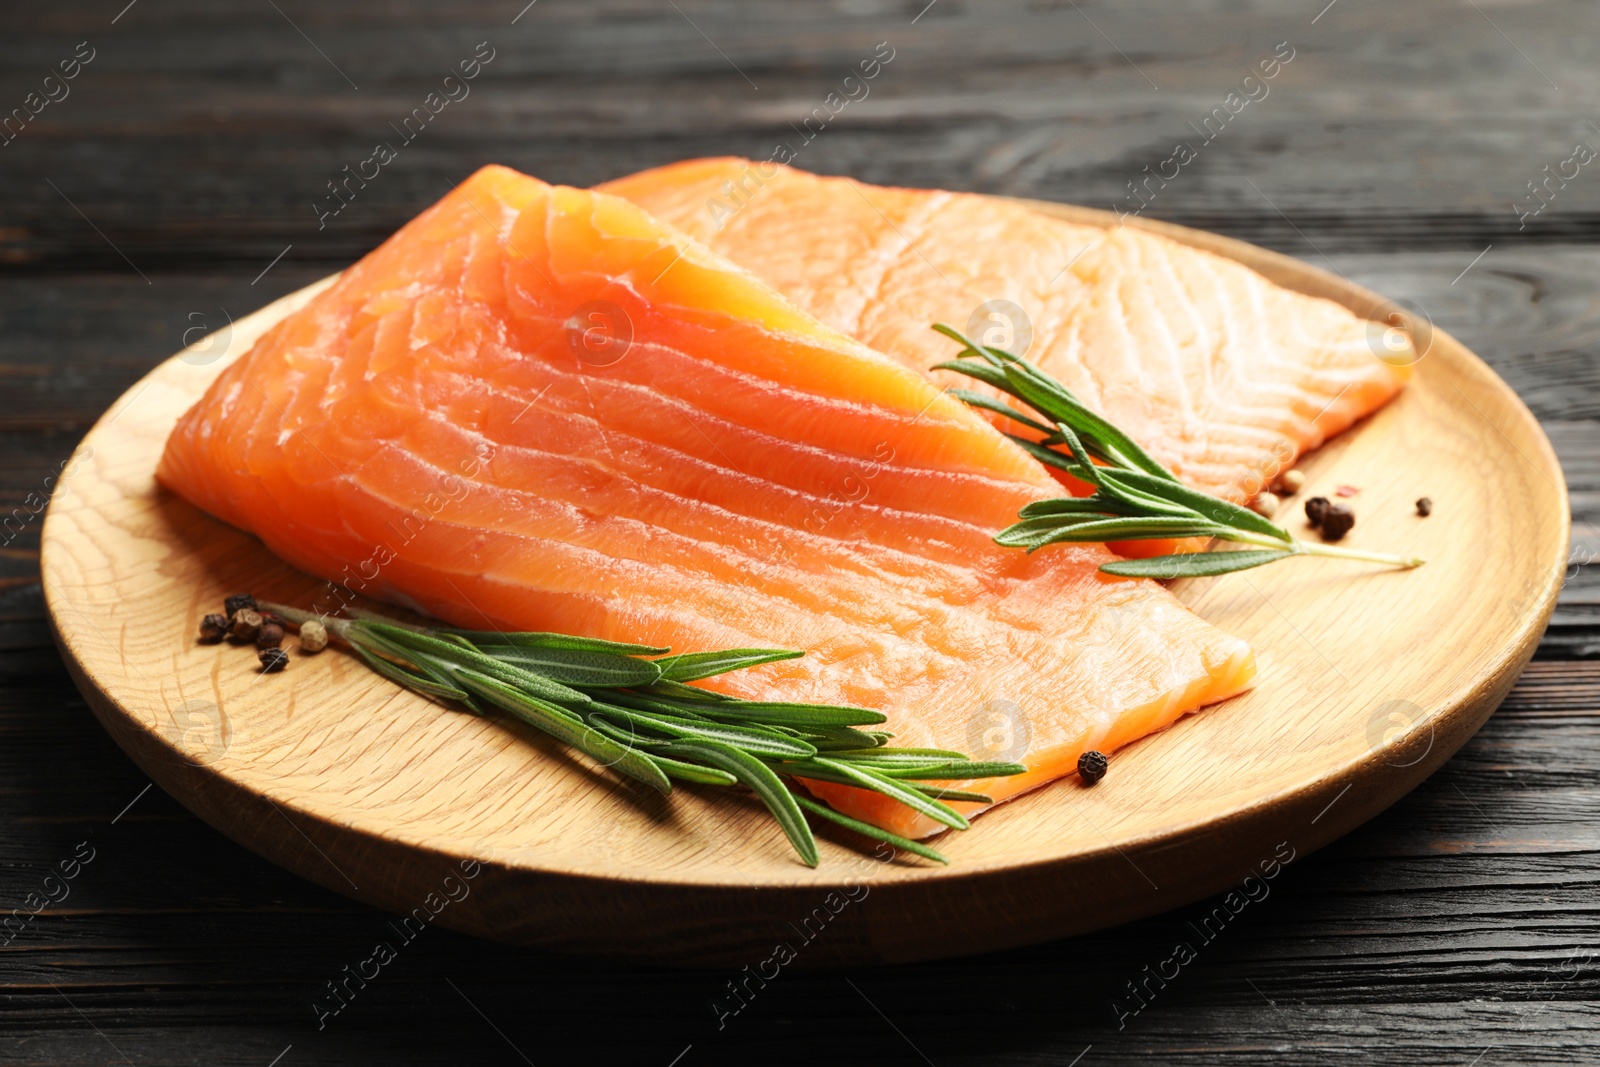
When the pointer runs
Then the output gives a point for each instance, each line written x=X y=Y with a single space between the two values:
x=630 y=708
x=1135 y=497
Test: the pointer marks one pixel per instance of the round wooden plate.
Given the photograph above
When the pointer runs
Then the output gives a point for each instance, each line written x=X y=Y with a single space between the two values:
x=1370 y=679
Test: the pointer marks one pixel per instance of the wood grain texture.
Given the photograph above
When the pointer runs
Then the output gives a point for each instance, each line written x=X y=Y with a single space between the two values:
x=1435 y=934
x=1436 y=121
x=1420 y=938
x=1369 y=680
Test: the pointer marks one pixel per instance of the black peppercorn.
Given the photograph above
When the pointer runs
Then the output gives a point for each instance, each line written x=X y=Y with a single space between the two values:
x=1336 y=521
x=1316 y=508
x=273 y=659
x=1092 y=766
x=1425 y=507
x=239 y=602
x=212 y=629
x=269 y=636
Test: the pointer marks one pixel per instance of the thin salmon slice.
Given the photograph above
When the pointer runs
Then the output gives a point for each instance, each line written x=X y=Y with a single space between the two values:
x=443 y=428
x=1223 y=376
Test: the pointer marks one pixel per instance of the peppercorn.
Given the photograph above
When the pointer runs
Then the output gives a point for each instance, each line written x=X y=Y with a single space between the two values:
x=1265 y=505
x=1316 y=508
x=1336 y=521
x=1092 y=766
x=273 y=659
x=1291 y=482
x=269 y=636
x=1425 y=507
x=244 y=625
x=212 y=629
x=313 y=636
x=238 y=602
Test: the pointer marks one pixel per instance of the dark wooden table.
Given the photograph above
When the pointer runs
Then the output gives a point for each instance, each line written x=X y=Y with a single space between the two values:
x=171 y=183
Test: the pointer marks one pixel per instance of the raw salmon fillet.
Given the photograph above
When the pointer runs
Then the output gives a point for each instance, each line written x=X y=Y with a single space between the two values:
x=1220 y=374
x=442 y=428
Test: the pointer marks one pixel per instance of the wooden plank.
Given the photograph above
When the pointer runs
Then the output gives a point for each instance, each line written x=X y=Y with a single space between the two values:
x=195 y=160
x=1487 y=924
x=205 y=135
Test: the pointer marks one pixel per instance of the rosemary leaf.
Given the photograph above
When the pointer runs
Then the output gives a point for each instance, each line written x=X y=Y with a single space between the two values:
x=1195 y=564
x=451 y=652
x=939 y=756
x=898 y=770
x=1031 y=535
x=1126 y=529
x=879 y=737
x=679 y=691
x=629 y=735
x=529 y=639
x=956 y=771
x=1025 y=529
x=761 y=779
x=866 y=778
x=934 y=792
x=780 y=713
x=1089 y=472
x=843 y=738
x=866 y=829
x=978 y=400
x=693 y=772
x=686 y=710
x=985 y=373
x=968 y=343
x=564 y=726
x=813 y=771
x=363 y=640
x=1222 y=512
x=754 y=740
x=415 y=682
x=1045 y=394
x=520 y=638
x=1114 y=487
x=696 y=665
x=576 y=667
x=1067 y=505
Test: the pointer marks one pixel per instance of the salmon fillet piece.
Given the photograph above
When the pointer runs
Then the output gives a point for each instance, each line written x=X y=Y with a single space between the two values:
x=1220 y=374
x=439 y=429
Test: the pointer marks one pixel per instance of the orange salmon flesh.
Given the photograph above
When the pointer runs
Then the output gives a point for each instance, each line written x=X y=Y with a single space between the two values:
x=1221 y=375
x=541 y=408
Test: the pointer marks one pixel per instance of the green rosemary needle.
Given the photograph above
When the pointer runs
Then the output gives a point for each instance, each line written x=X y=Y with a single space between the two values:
x=1135 y=498
x=630 y=708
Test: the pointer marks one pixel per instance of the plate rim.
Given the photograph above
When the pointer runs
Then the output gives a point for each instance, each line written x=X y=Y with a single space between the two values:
x=1480 y=687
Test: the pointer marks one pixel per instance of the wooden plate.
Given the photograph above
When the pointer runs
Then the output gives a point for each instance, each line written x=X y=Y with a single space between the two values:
x=1370 y=679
